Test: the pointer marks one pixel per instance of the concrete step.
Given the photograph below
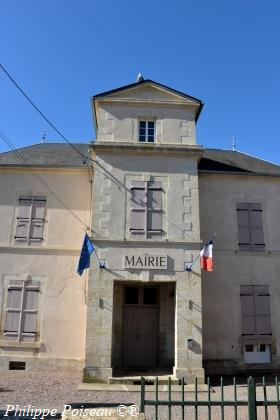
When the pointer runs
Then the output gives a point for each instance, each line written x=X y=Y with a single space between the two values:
x=149 y=380
x=137 y=388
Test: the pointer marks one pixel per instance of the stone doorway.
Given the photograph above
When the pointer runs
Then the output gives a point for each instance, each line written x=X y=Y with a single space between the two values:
x=143 y=327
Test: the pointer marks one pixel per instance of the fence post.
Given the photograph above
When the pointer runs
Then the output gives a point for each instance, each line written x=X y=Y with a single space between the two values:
x=142 y=407
x=252 y=407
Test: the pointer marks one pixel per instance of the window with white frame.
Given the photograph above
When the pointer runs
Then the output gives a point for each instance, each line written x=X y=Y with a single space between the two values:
x=147 y=131
x=146 y=207
x=30 y=219
x=22 y=311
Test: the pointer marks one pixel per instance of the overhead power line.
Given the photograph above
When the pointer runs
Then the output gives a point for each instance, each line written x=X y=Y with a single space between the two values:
x=85 y=158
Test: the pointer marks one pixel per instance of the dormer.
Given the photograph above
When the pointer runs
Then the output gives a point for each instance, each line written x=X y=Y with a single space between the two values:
x=146 y=112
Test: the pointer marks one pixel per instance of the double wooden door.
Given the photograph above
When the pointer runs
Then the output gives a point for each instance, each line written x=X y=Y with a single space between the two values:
x=141 y=318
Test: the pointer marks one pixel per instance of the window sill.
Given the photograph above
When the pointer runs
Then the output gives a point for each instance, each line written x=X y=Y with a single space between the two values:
x=21 y=344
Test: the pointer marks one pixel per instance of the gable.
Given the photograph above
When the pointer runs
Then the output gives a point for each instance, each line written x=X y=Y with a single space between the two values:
x=150 y=93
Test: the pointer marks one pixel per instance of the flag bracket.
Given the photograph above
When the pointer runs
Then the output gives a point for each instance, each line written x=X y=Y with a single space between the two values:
x=102 y=265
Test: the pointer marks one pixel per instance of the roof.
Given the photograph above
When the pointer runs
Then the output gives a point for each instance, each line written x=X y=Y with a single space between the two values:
x=217 y=160
x=149 y=81
x=46 y=154
x=63 y=155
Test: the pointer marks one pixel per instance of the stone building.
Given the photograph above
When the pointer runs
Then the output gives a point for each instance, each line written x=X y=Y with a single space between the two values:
x=150 y=196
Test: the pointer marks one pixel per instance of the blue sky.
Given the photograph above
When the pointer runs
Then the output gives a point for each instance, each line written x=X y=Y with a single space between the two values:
x=225 y=53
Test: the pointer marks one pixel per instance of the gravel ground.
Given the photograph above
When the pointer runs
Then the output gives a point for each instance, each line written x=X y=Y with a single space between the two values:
x=54 y=389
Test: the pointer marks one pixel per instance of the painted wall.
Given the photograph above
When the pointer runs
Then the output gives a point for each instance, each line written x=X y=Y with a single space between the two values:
x=222 y=342
x=62 y=309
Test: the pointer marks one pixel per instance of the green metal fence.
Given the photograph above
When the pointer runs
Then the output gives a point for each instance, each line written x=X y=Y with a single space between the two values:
x=251 y=403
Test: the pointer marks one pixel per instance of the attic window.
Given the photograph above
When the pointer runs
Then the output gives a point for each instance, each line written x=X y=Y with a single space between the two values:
x=147 y=131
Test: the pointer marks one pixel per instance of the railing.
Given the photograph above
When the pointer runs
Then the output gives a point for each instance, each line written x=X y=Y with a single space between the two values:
x=250 y=404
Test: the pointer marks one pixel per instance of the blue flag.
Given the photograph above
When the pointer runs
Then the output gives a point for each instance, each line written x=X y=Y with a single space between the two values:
x=87 y=250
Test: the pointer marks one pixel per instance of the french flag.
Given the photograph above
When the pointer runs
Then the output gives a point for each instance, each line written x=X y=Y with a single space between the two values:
x=206 y=260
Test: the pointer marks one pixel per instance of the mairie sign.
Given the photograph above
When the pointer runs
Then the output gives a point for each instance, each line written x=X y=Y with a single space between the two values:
x=146 y=261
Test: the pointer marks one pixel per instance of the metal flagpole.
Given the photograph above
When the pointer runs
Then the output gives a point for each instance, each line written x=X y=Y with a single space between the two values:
x=189 y=269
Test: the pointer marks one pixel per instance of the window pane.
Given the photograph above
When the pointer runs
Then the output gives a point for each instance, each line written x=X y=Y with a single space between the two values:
x=249 y=348
x=131 y=295
x=150 y=296
x=142 y=138
x=151 y=124
x=142 y=124
x=150 y=139
x=142 y=132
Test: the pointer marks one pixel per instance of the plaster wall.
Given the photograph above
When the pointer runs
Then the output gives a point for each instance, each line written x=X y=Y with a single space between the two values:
x=219 y=194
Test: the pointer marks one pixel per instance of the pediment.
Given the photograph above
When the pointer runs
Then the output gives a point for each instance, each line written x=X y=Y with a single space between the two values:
x=149 y=91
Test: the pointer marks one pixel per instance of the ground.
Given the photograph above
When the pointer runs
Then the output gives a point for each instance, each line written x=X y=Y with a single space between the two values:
x=54 y=389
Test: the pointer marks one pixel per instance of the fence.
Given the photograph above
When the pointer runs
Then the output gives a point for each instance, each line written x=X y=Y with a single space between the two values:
x=252 y=402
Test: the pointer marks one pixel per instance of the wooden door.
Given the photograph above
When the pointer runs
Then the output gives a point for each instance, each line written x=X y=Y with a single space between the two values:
x=141 y=332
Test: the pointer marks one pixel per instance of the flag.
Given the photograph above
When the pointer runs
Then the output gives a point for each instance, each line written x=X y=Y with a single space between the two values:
x=86 y=251
x=206 y=257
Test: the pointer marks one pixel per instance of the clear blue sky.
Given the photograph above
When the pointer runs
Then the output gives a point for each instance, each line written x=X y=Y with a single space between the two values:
x=223 y=52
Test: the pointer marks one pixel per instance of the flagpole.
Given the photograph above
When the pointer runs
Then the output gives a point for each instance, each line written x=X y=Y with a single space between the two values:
x=189 y=269
x=101 y=265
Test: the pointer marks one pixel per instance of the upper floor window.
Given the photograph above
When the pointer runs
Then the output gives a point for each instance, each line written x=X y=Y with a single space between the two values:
x=30 y=219
x=21 y=311
x=147 y=131
x=146 y=207
x=250 y=227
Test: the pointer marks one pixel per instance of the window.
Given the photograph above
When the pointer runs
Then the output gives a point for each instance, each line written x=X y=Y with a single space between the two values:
x=250 y=227
x=257 y=354
x=146 y=207
x=30 y=220
x=255 y=312
x=21 y=312
x=147 y=131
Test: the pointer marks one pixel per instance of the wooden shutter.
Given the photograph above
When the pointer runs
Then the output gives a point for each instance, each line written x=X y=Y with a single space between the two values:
x=248 y=317
x=13 y=311
x=243 y=218
x=250 y=226
x=138 y=208
x=256 y=224
x=255 y=314
x=263 y=320
x=154 y=207
x=23 y=219
x=29 y=313
x=37 y=220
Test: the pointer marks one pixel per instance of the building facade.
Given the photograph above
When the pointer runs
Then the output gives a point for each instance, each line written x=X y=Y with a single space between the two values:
x=149 y=196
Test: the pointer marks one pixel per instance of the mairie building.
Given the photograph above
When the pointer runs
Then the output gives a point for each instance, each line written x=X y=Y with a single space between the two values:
x=149 y=196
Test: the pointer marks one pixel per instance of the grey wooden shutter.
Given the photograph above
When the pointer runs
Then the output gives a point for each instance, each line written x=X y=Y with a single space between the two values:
x=29 y=313
x=243 y=218
x=255 y=313
x=154 y=207
x=37 y=219
x=263 y=320
x=256 y=224
x=23 y=219
x=138 y=207
x=11 y=327
x=248 y=317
